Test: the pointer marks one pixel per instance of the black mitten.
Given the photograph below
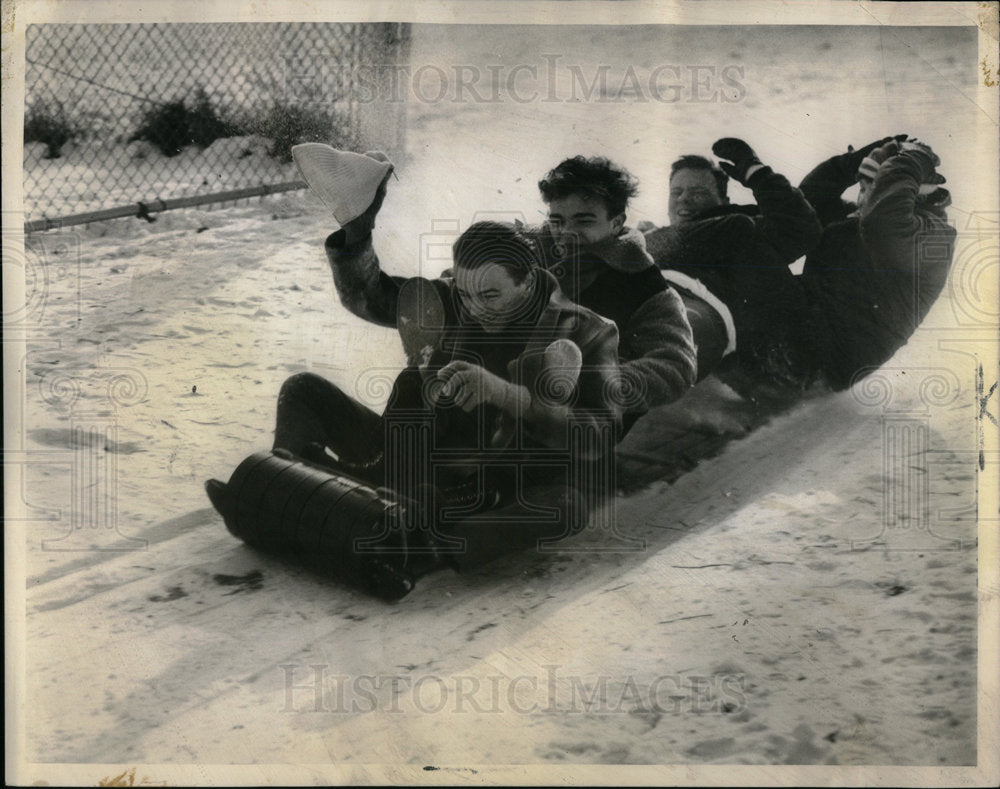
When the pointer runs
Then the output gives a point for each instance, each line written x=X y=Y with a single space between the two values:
x=740 y=155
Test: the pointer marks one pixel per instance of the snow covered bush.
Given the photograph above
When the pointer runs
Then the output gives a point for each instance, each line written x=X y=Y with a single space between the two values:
x=48 y=123
x=173 y=126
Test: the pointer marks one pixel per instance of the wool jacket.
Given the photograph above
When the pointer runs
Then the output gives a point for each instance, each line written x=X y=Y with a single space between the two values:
x=596 y=406
x=741 y=254
x=617 y=280
x=779 y=229
x=874 y=275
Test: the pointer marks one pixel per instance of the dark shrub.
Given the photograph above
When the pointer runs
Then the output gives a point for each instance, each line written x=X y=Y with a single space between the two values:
x=49 y=123
x=173 y=126
x=165 y=126
x=204 y=123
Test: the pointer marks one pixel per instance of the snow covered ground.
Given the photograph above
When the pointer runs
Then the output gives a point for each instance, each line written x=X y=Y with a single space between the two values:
x=808 y=596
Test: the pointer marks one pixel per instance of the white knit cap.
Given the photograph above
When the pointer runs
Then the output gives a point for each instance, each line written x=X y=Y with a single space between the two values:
x=346 y=182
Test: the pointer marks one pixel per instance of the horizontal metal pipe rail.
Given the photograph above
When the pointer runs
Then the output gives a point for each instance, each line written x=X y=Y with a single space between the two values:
x=143 y=210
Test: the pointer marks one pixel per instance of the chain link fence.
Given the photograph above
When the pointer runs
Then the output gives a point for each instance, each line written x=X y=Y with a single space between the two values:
x=119 y=118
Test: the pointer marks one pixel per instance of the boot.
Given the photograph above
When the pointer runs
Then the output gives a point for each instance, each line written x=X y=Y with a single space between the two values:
x=218 y=494
x=421 y=317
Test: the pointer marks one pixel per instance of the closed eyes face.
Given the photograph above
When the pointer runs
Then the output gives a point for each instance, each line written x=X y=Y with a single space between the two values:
x=692 y=192
x=584 y=217
x=491 y=296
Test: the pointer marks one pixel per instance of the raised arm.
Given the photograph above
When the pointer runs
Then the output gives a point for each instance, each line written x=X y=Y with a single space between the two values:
x=787 y=222
x=829 y=180
x=362 y=286
x=826 y=183
x=896 y=219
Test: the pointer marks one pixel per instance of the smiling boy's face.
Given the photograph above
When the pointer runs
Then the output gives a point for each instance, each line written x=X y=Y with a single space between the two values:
x=691 y=192
x=584 y=217
x=491 y=295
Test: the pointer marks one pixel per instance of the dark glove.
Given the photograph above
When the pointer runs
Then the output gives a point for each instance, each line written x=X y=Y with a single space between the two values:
x=852 y=159
x=740 y=155
x=926 y=156
x=916 y=151
x=359 y=228
x=912 y=143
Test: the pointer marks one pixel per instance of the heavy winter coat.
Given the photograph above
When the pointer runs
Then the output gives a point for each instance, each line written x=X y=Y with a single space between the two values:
x=617 y=279
x=741 y=254
x=597 y=403
x=874 y=275
x=656 y=349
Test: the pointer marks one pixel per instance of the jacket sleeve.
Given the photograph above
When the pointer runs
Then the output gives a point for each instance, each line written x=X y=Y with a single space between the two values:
x=662 y=363
x=787 y=222
x=824 y=186
x=362 y=286
x=892 y=222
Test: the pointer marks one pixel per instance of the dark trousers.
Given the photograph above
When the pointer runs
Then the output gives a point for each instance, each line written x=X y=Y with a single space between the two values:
x=312 y=410
x=505 y=506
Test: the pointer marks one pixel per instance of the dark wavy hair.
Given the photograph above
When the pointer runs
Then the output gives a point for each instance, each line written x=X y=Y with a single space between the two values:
x=692 y=161
x=595 y=177
x=496 y=242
